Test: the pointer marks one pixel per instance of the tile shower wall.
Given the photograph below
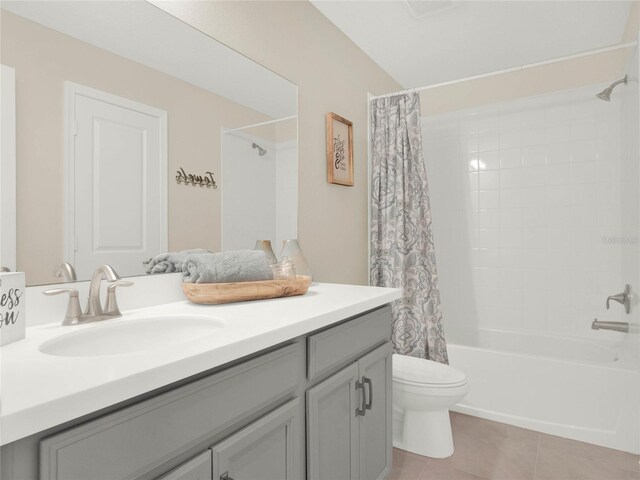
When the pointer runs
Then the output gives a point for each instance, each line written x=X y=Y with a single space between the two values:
x=258 y=192
x=630 y=193
x=286 y=192
x=248 y=191
x=526 y=212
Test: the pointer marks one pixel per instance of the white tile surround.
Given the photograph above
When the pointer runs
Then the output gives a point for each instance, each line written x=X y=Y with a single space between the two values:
x=259 y=190
x=630 y=193
x=526 y=202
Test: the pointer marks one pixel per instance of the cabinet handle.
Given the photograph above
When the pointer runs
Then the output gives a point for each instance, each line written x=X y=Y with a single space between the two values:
x=225 y=476
x=360 y=412
x=368 y=381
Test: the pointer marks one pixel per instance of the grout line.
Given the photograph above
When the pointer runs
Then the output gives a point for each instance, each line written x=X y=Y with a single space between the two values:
x=535 y=465
x=424 y=468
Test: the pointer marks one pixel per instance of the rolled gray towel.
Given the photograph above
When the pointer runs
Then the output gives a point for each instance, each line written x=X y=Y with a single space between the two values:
x=227 y=267
x=170 y=262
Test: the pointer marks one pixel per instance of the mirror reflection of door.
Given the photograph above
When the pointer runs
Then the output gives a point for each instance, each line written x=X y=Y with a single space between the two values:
x=116 y=168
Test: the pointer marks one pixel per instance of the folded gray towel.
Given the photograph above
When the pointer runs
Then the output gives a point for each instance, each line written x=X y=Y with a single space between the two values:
x=170 y=262
x=226 y=267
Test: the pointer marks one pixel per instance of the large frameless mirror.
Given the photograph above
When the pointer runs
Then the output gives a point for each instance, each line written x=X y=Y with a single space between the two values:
x=135 y=135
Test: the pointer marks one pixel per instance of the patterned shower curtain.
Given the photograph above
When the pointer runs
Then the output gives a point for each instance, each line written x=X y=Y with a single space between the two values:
x=402 y=253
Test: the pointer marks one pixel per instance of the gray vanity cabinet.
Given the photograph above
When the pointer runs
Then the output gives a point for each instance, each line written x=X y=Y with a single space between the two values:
x=198 y=468
x=136 y=441
x=349 y=421
x=242 y=421
x=263 y=450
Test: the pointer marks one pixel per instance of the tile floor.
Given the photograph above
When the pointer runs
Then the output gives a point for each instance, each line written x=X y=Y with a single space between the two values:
x=487 y=450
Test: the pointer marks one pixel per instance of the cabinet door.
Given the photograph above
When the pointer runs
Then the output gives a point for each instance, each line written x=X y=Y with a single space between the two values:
x=198 y=468
x=375 y=425
x=332 y=427
x=264 y=450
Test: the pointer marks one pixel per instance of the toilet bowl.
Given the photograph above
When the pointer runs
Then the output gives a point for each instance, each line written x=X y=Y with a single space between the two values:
x=423 y=392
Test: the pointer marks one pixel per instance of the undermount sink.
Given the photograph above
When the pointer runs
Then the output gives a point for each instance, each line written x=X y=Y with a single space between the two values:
x=132 y=336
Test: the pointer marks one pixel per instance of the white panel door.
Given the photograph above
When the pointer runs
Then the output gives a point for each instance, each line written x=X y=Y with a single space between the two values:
x=8 y=168
x=119 y=182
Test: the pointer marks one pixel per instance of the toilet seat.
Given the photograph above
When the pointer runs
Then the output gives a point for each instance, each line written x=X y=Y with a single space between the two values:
x=421 y=372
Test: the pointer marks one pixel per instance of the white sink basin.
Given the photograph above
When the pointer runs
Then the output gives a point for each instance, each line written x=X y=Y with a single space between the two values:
x=132 y=336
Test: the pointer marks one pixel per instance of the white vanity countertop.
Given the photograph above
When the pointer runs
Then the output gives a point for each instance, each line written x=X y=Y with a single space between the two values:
x=40 y=391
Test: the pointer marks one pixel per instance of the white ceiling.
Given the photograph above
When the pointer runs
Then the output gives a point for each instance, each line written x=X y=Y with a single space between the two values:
x=457 y=39
x=145 y=34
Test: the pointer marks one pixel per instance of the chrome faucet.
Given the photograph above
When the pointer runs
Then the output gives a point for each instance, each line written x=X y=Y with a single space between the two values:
x=94 y=307
x=94 y=311
x=65 y=271
x=615 y=326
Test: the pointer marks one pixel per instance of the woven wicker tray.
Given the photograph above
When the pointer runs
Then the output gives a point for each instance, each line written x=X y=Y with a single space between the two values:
x=217 y=293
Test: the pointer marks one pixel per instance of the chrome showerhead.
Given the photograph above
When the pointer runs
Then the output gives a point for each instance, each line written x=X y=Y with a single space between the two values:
x=606 y=93
x=261 y=151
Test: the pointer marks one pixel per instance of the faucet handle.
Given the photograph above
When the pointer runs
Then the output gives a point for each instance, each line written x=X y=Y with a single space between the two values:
x=623 y=298
x=74 y=312
x=111 y=308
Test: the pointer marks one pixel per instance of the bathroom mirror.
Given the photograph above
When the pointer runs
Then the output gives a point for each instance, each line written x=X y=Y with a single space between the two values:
x=127 y=120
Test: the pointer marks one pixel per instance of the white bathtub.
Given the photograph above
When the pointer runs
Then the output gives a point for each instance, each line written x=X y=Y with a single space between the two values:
x=571 y=388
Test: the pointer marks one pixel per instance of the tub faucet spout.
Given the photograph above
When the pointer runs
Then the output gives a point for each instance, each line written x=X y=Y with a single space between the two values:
x=615 y=326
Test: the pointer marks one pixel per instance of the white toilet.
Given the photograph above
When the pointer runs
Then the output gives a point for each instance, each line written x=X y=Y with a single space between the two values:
x=423 y=392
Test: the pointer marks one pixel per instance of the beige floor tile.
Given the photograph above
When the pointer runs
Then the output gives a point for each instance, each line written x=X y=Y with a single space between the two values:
x=406 y=466
x=487 y=450
x=563 y=459
x=441 y=470
x=492 y=450
x=607 y=455
x=482 y=427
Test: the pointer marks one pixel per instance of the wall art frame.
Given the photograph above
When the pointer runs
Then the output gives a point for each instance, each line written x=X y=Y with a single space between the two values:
x=339 y=150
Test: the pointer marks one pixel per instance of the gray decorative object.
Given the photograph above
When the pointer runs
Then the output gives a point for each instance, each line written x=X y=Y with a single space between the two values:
x=402 y=251
x=170 y=262
x=265 y=246
x=291 y=249
x=227 y=267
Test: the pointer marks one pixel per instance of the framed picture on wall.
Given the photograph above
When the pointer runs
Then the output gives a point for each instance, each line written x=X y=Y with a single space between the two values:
x=339 y=150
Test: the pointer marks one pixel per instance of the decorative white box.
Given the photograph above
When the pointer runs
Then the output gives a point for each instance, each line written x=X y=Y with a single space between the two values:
x=12 y=311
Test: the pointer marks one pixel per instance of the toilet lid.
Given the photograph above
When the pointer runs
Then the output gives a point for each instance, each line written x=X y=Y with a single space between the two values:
x=425 y=372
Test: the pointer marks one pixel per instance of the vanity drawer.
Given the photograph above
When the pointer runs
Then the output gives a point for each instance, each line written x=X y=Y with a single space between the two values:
x=198 y=468
x=335 y=346
x=132 y=441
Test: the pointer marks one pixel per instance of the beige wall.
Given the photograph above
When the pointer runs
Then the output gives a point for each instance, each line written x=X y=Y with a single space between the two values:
x=633 y=24
x=598 y=68
x=44 y=60
x=333 y=75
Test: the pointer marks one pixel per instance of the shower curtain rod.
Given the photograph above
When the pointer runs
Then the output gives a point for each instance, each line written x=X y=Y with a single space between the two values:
x=260 y=124
x=509 y=70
